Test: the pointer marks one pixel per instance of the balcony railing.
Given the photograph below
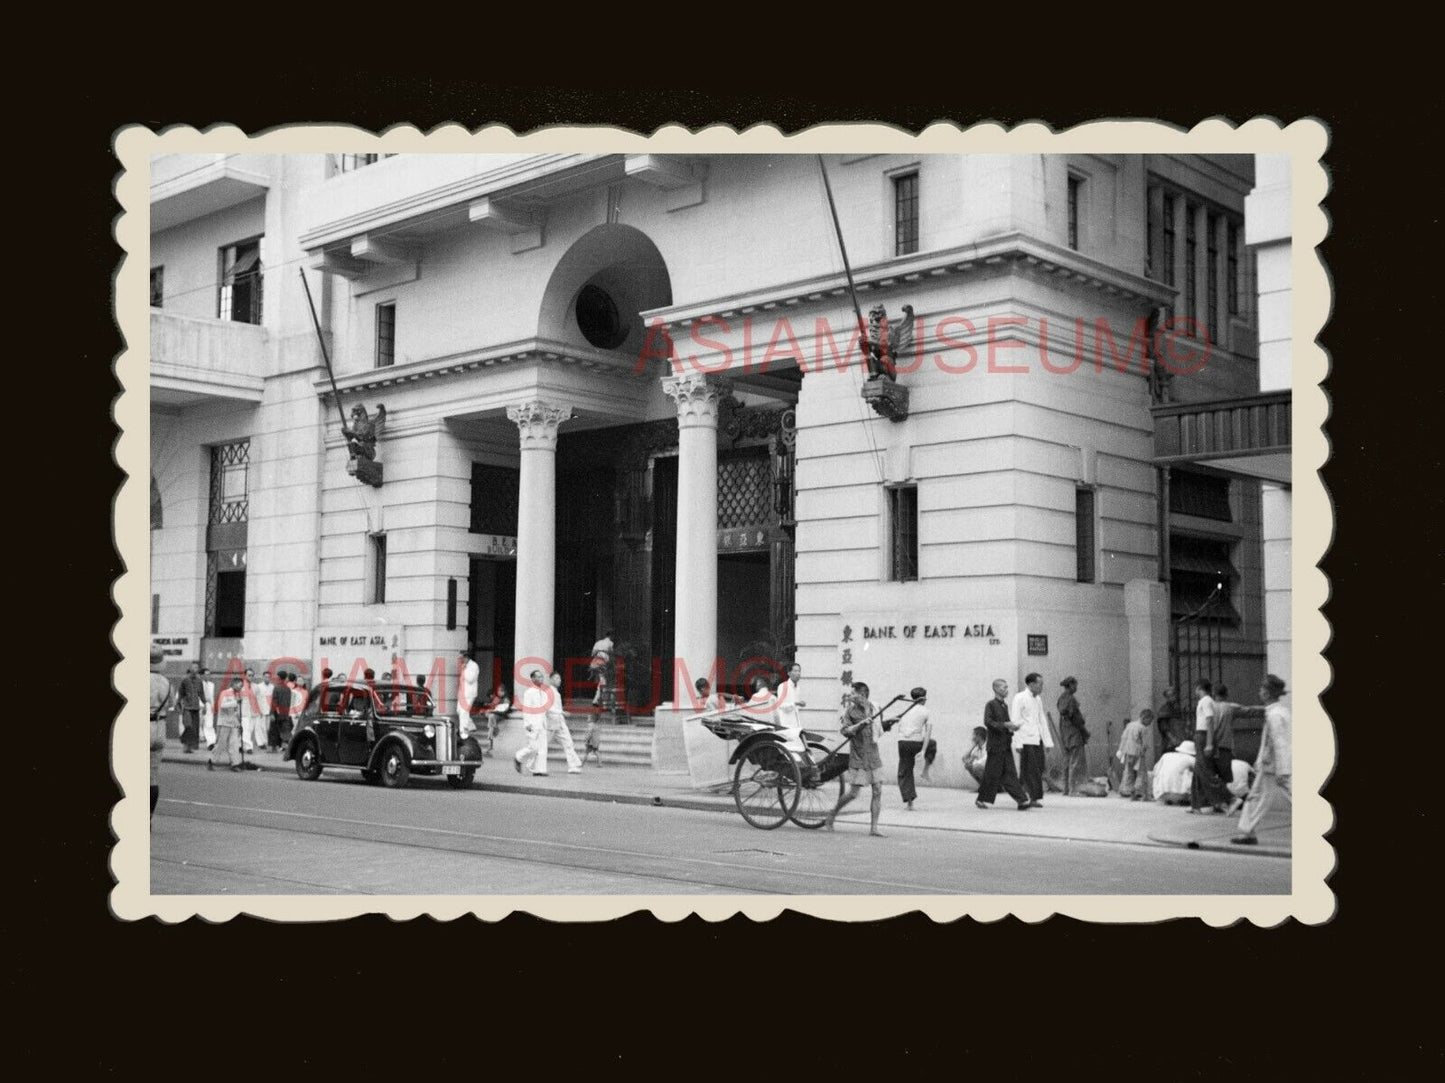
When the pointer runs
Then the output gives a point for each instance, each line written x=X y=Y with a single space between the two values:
x=194 y=359
x=1233 y=428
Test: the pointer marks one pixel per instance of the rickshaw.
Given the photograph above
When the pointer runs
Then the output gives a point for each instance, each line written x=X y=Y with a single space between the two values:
x=782 y=774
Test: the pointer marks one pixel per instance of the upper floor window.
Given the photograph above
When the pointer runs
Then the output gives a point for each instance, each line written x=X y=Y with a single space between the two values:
x=1084 y=533
x=902 y=532
x=386 y=334
x=1076 y=193
x=1203 y=495
x=1191 y=250
x=158 y=286
x=905 y=214
x=1169 y=240
x=230 y=465
x=240 y=295
x=1212 y=314
x=349 y=163
x=1231 y=267
x=376 y=586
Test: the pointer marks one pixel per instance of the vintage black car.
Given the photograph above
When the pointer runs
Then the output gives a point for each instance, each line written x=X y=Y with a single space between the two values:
x=385 y=730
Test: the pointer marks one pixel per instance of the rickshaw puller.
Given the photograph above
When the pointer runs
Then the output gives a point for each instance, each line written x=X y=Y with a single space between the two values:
x=865 y=763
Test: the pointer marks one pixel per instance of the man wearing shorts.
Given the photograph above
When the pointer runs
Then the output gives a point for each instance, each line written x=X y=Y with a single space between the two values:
x=865 y=764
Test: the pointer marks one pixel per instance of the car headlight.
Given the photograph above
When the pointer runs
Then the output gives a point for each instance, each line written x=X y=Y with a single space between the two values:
x=429 y=730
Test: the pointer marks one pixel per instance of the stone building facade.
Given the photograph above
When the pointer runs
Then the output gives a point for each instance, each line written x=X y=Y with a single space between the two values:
x=620 y=393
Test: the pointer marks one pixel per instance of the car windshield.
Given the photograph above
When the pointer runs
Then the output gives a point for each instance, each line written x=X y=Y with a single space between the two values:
x=400 y=699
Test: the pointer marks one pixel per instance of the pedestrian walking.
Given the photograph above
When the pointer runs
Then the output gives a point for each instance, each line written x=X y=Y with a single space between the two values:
x=1031 y=738
x=535 y=698
x=1204 y=790
x=261 y=722
x=999 y=772
x=228 y=726
x=192 y=696
x=1131 y=755
x=592 y=743
x=1073 y=732
x=915 y=738
x=1273 y=765
x=467 y=697
x=557 y=730
x=280 y=712
x=865 y=763
x=208 y=708
x=160 y=704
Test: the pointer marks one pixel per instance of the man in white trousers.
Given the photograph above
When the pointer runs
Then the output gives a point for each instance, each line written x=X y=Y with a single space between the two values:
x=471 y=680
x=1273 y=766
x=533 y=703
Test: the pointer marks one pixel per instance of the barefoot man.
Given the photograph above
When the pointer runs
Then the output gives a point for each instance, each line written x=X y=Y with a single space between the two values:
x=865 y=765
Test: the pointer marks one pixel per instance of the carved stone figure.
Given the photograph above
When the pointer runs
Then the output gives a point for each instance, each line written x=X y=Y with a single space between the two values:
x=361 y=434
x=885 y=355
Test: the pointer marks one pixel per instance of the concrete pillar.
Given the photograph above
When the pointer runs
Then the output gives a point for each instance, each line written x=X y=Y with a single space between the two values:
x=1276 y=508
x=695 y=609
x=1146 y=606
x=537 y=423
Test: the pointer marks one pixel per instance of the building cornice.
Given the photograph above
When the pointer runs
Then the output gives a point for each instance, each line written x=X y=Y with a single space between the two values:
x=897 y=274
x=457 y=194
x=599 y=362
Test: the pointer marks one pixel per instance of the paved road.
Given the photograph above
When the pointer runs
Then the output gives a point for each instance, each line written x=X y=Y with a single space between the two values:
x=270 y=833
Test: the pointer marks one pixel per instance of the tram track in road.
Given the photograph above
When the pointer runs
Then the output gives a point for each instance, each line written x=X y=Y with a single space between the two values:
x=729 y=876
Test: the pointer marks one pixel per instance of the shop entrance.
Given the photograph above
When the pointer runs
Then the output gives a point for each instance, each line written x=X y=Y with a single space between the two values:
x=492 y=618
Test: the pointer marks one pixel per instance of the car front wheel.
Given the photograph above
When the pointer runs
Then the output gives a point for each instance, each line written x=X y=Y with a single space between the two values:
x=470 y=750
x=395 y=768
x=308 y=762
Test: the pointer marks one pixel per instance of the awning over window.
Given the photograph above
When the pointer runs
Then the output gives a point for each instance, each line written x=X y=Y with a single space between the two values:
x=1202 y=565
x=245 y=264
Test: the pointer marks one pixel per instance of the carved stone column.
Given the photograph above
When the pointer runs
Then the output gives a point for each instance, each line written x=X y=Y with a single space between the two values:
x=537 y=423
x=695 y=611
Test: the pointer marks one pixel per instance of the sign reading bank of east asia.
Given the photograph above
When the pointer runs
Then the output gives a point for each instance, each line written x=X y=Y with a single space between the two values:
x=897 y=649
x=357 y=648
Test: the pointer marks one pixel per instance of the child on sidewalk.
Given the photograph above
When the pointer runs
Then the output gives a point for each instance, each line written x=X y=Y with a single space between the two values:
x=1131 y=755
x=592 y=743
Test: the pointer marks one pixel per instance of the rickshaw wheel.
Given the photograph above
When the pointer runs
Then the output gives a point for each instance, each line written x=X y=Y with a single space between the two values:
x=816 y=799
x=766 y=785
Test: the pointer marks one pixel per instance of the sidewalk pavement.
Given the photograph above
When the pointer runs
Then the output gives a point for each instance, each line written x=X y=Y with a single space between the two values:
x=1109 y=819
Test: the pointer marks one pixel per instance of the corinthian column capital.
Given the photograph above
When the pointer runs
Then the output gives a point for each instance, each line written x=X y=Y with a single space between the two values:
x=697 y=399
x=537 y=421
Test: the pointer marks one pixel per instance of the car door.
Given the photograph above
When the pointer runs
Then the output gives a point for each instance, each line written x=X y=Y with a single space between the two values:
x=354 y=728
x=327 y=719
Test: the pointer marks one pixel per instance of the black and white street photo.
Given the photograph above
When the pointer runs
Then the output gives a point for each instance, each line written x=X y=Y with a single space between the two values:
x=555 y=519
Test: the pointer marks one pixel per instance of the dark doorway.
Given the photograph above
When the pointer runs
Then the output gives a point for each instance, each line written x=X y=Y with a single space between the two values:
x=664 y=567
x=491 y=617
x=744 y=618
x=230 y=604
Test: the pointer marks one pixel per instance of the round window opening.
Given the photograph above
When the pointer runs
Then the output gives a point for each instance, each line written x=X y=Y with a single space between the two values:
x=599 y=319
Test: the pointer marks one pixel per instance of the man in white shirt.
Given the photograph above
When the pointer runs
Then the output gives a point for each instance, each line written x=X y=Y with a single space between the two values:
x=471 y=679
x=915 y=737
x=208 y=719
x=788 y=699
x=533 y=703
x=261 y=719
x=1273 y=766
x=1203 y=790
x=1032 y=737
x=602 y=652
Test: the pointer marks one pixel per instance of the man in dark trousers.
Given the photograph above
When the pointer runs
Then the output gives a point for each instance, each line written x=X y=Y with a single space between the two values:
x=1172 y=724
x=192 y=697
x=999 y=772
x=1073 y=734
x=280 y=709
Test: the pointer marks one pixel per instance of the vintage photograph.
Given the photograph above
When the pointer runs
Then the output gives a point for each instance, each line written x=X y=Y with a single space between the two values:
x=595 y=517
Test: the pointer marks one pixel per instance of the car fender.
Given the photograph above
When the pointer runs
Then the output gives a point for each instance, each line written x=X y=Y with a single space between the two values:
x=296 y=738
x=394 y=738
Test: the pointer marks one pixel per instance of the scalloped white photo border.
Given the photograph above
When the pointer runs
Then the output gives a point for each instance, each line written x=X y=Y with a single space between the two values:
x=1313 y=858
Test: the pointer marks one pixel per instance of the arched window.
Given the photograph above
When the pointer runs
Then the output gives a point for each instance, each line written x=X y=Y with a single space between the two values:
x=157 y=518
